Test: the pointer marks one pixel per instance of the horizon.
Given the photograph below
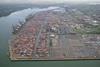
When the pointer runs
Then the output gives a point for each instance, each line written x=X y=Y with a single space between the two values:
x=47 y=1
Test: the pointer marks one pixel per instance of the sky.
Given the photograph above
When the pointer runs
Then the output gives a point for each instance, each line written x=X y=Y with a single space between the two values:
x=46 y=1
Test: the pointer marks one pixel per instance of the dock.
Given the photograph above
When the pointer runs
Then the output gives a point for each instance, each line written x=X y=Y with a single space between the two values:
x=50 y=35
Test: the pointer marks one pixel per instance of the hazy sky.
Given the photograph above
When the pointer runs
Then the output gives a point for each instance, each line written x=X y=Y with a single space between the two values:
x=44 y=1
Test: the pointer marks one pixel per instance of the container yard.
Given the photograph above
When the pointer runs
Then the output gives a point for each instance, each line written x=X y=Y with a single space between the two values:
x=51 y=35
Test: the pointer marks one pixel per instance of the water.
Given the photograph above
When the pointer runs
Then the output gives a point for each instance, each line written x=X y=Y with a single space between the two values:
x=5 y=33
